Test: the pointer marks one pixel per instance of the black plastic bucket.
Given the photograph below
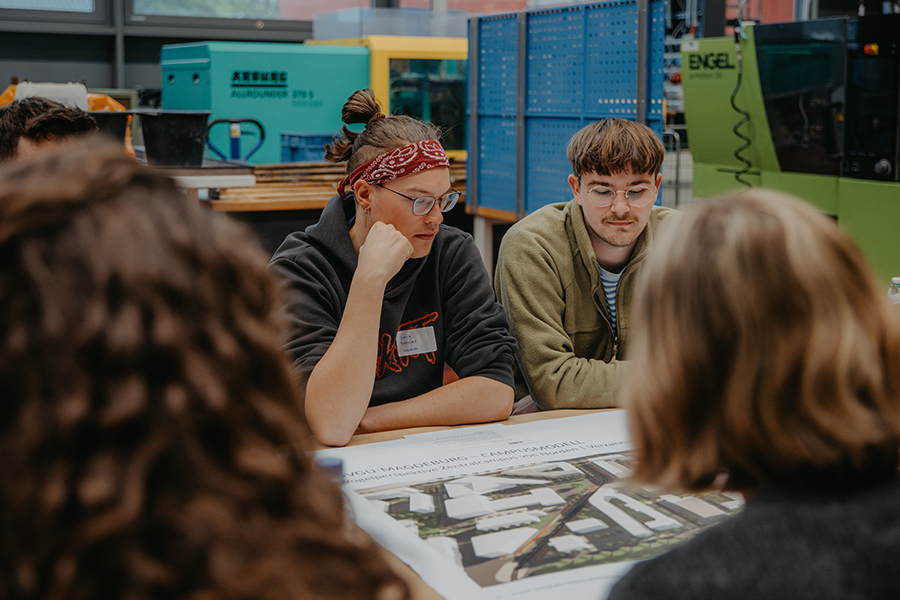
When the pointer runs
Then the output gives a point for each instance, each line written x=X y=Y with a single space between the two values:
x=174 y=138
x=113 y=123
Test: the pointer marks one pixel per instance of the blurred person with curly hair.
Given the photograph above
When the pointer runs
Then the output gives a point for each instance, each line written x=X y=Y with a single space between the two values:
x=769 y=358
x=151 y=442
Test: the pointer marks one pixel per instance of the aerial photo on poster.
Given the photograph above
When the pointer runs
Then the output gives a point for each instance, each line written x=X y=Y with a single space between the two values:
x=506 y=525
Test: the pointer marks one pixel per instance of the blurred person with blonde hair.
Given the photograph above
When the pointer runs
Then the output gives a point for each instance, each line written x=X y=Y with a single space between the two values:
x=151 y=442
x=769 y=360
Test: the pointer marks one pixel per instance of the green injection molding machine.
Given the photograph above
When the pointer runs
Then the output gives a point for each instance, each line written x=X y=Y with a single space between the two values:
x=819 y=119
x=286 y=87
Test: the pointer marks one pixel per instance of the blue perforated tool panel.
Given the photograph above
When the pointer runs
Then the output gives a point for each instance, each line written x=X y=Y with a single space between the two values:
x=580 y=65
x=610 y=78
x=548 y=167
x=497 y=162
x=556 y=62
x=497 y=79
x=657 y=64
x=496 y=61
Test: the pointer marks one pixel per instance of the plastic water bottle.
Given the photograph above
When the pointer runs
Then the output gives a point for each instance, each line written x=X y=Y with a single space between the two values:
x=894 y=291
x=334 y=468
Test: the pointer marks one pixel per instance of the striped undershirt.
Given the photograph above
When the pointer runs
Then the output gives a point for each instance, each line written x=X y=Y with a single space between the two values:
x=610 y=281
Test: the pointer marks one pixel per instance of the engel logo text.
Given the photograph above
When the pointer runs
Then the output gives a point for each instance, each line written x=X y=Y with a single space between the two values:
x=717 y=60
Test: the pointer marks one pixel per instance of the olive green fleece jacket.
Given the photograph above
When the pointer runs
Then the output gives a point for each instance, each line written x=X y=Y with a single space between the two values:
x=548 y=280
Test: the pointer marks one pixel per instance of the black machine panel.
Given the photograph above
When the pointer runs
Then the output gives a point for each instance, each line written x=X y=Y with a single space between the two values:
x=872 y=127
x=801 y=72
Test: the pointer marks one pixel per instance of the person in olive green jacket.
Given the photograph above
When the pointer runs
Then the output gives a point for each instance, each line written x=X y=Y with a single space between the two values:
x=567 y=273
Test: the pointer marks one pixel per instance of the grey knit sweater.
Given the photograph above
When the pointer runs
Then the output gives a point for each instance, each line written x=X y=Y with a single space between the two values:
x=786 y=544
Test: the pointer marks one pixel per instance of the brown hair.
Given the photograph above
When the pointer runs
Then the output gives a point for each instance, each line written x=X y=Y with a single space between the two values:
x=765 y=349
x=151 y=441
x=39 y=119
x=382 y=134
x=614 y=146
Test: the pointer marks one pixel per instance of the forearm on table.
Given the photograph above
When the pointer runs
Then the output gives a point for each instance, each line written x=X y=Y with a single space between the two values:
x=469 y=400
x=573 y=382
x=340 y=386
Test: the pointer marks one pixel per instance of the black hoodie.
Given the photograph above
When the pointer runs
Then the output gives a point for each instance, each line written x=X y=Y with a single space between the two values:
x=448 y=290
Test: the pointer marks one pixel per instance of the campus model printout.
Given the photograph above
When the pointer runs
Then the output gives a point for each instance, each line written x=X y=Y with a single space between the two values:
x=519 y=511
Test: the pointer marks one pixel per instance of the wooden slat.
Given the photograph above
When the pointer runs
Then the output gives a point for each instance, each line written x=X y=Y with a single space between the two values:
x=300 y=186
x=263 y=205
x=492 y=213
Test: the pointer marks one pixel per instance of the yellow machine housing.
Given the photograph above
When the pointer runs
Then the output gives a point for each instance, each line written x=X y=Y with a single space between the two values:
x=424 y=77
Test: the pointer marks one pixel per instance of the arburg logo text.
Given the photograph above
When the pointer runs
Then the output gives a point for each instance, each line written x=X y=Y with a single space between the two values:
x=259 y=79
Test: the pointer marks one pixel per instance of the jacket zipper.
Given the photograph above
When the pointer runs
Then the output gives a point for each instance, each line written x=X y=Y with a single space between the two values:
x=613 y=330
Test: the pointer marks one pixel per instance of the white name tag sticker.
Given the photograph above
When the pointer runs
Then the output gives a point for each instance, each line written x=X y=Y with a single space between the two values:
x=416 y=341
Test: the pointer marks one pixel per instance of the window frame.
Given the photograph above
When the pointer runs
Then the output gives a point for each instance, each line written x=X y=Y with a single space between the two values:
x=101 y=15
x=133 y=19
x=117 y=17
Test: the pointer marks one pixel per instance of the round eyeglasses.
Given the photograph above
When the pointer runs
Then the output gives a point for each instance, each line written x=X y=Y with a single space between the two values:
x=422 y=205
x=637 y=195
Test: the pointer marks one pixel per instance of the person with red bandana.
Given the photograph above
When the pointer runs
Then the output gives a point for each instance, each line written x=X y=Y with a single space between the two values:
x=381 y=295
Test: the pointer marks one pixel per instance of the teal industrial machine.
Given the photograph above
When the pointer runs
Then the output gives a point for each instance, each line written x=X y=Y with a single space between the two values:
x=809 y=108
x=286 y=87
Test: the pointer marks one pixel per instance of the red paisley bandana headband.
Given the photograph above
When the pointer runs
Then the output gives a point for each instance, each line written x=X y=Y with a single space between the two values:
x=406 y=160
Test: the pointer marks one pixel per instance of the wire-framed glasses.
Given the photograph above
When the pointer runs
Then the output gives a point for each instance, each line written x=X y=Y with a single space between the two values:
x=422 y=205
x=637 y=196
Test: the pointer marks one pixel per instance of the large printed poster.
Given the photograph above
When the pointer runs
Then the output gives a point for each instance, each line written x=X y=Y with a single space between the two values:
x=516 y=511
